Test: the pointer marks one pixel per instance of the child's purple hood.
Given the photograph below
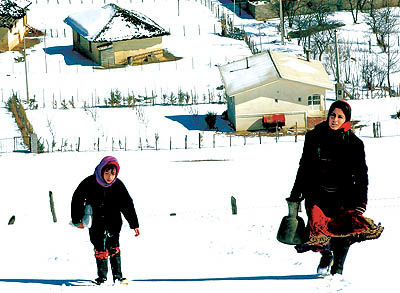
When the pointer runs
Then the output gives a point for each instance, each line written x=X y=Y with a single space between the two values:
x=109 y=160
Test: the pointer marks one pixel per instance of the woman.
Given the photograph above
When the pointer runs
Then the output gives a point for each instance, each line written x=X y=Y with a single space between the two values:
x=333 y=179
x=108 y=197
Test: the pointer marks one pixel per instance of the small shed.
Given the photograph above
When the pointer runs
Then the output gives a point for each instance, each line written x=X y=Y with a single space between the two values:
x=13 y=22
x=274 y=88
x=111 y=35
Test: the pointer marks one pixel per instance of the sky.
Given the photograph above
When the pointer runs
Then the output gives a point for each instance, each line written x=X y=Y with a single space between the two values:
x=190 y=240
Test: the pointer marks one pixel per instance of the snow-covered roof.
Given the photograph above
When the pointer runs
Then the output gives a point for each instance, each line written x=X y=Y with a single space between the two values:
x=10 y=10
x=265 y=68
x=113 y=23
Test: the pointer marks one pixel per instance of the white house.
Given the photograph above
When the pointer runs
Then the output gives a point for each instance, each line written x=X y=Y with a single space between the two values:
x=112 y=35
x=275 y=88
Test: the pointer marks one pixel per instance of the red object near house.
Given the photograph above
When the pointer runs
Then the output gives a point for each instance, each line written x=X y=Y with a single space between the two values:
x=274 y=120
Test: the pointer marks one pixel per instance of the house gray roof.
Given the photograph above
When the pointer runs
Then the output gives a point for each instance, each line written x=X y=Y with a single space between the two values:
x=268 y=67
x=11 y=10
x=113 y=23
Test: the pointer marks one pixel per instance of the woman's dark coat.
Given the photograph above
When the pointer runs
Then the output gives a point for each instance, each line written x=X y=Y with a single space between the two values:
x=107 y=203
x=332 y=172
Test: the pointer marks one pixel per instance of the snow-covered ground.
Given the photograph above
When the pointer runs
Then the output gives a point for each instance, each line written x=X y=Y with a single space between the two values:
x=204 y=248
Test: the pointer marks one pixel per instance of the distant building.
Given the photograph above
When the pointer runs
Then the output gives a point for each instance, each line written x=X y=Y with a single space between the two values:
x=111 y=35
x=13 y=22
x=274 y=88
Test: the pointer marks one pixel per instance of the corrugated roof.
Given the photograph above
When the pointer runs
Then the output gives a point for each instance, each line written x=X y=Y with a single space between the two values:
x=248 y=73
x=267 y=67
x=113 y=23
x=11 y=10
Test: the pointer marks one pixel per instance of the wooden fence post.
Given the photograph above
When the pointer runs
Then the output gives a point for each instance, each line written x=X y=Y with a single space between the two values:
x=11 y=221
x=79 y=144
x=53 y=211
x=199 y=140
x=234 y=205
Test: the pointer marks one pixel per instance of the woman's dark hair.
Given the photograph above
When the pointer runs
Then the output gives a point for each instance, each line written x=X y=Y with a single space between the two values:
x=109 y=167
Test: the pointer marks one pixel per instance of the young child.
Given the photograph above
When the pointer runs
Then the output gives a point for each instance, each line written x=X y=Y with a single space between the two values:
x=108 y=197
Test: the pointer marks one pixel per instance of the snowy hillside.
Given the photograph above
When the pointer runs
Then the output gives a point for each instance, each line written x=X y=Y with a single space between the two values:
x=190 y=240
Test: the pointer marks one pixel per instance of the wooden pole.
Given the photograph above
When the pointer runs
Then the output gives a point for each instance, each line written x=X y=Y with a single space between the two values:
x=233 y=205
x=53 y=211
x=26 y=73
x=11 y=221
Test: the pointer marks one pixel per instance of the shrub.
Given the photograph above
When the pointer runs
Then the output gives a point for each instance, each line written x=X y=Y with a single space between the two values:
x=211 y=119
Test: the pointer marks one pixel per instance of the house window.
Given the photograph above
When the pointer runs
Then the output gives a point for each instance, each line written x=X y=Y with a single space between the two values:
x=276 y=100
x=314 y=100
x=90 y=46
x=299 y=99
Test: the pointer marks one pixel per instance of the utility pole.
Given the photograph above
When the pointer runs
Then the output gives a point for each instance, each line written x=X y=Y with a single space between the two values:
x=26 y=73
x=234 y=11
x=45 y=48
x=282 y=23
x=339 y=90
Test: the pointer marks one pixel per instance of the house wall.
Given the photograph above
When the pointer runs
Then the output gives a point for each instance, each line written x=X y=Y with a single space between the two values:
x=122 y=49
x=4 y=38
x=10 y=38
x=131 y=48
x=278 y=97
x=83 y=46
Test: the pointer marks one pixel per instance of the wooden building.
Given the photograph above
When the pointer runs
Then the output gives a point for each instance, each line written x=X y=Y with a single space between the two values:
x=13 y=22
x=111 y=35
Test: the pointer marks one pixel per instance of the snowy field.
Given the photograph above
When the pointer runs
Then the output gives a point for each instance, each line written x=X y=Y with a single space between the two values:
x=203 y=248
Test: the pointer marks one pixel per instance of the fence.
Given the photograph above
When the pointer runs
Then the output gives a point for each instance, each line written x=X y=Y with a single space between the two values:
x=14 y=144
x=157 y=142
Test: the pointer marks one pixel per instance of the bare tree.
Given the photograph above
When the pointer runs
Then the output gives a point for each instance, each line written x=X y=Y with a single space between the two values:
x=393 y=64
x=314 y=27
x=355 y=7
x=382 y=22
x=372 y=72
x=320 y=10
x=302 y=23
x=290 y=9
x=320 y=42
x=344 y=58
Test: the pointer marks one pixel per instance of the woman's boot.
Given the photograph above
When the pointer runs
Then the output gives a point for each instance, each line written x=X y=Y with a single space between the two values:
x=340 y=251
x=115 y=261
x=102 y=266
x=325 y=262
